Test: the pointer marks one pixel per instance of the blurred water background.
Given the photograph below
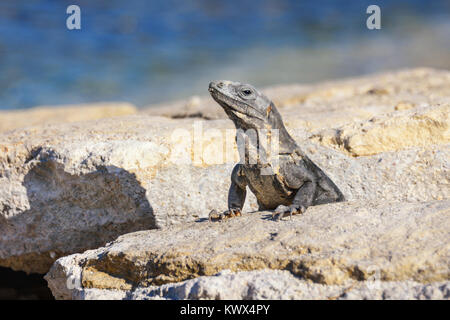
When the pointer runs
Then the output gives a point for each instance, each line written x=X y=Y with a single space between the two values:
x=151 y=51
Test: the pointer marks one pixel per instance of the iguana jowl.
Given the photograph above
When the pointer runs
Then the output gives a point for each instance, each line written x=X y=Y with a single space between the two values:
x=294 y=183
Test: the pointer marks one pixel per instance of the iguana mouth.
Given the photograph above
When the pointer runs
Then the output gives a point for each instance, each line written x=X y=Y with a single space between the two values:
x=232 y=105
x=225 y=101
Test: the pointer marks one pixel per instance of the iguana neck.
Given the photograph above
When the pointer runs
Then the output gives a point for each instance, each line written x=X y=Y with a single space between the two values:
x=253 y=145
x=287 y=143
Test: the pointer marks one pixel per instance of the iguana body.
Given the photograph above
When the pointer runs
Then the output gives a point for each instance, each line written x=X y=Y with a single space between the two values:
x=288 y=186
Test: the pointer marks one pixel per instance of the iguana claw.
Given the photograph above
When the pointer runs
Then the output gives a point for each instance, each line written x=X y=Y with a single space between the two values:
x=284 y=211
x=215 y=216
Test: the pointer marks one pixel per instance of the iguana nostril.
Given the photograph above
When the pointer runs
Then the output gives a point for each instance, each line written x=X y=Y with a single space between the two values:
x=220 y=84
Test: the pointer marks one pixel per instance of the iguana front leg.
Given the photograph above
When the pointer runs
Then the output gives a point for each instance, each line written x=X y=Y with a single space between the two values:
x=236 y=196
x=302 y=200
x=306 y=183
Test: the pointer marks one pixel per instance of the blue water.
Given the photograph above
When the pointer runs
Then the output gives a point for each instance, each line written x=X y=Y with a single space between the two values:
x=152 y=51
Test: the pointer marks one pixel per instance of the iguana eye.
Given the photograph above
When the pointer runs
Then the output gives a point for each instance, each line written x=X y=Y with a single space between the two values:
x=246 y=92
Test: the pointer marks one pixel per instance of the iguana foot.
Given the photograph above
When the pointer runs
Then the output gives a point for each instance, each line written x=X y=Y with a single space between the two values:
x=215 y=216
x=284 y=211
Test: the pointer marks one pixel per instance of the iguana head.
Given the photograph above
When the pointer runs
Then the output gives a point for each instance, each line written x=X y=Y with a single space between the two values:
x=246 y=106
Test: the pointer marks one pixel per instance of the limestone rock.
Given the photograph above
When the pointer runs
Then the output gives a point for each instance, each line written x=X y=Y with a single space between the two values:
x=421 y=127
x=65 y=188
x=334 y=103
x=261 y=285
x=16 y=119
x=278 y=285
x=341 y=245
x=69 y=187
x=194 y=107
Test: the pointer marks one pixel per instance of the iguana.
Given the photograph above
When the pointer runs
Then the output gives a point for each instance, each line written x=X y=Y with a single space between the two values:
x=288 y=186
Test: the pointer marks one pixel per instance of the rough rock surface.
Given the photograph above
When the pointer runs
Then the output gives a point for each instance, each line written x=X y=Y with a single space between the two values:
x=266 y=284
x=68 y=187
x=333 y=244
x=10 y=120
x=276 y=284
x=334 y=103
x=419 y=127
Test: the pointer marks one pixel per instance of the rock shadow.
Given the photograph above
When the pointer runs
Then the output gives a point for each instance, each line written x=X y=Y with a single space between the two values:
x=71 y=213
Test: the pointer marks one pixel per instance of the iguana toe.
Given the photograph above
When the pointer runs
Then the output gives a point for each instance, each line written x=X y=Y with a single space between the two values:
x=215 y=216
x=284 y=211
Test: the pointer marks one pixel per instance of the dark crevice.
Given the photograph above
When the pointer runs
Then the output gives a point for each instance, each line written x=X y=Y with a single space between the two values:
x=191 y=115
x=17 y=285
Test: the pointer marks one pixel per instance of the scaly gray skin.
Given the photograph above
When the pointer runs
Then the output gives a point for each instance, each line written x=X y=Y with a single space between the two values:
x=289 y=186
